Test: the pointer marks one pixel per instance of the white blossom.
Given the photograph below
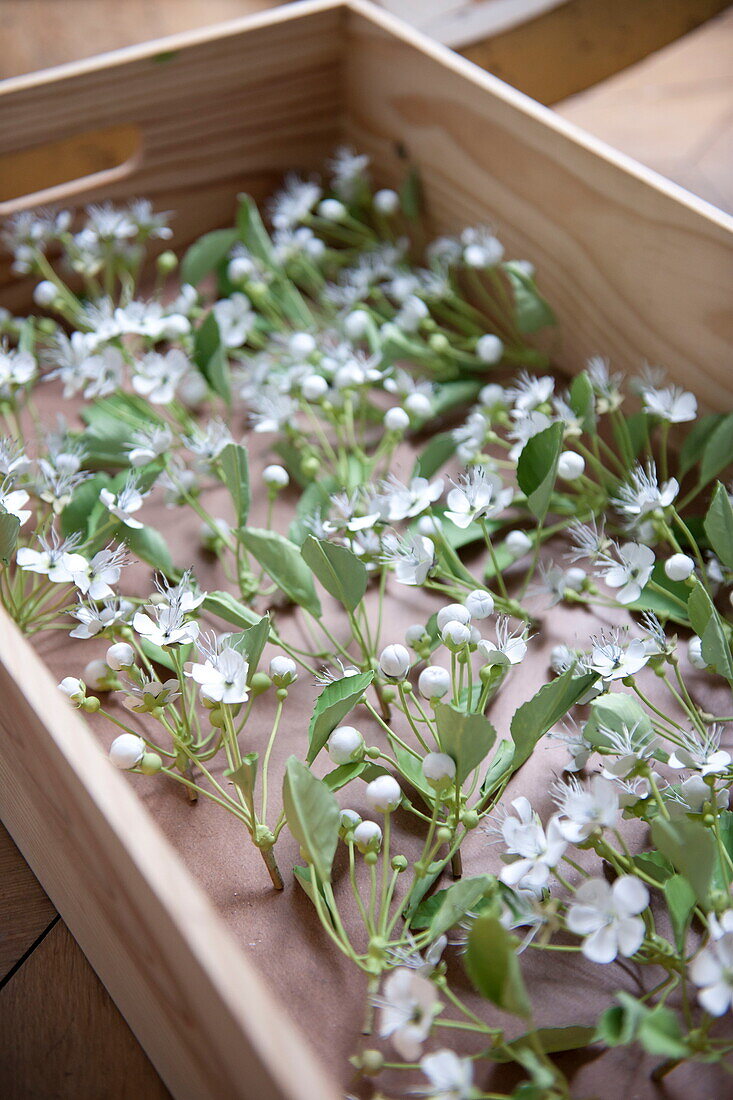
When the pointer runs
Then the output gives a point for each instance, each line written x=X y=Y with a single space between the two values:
x=222 y=675
x=607 y=917
x=408 y=1004
x=534 y=849
x=450 y=1077
x=478 y=495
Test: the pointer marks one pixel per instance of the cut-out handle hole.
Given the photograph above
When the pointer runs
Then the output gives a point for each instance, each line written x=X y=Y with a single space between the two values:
x=59 y=170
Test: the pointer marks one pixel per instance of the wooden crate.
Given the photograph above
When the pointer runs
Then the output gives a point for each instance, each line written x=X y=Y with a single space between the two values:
x=635 y=267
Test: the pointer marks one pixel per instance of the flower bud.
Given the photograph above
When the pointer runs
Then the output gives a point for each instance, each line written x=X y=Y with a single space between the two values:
x=434 y=682
x=396 y=420
x=570 y=466
x=275 y=477
x=492 y=396
x=386 y=201
x=74 y=688
x=518 y=543
x=429 y=526
x=394 y=662
x=383 y=794
x=167 y=262
x=332 y=210
x=345 y=745
x=489 y=349
x=368 y=837
x=356 y=324
x=240 y=269
x=127 y=750
x=439 y=770
x=415 y=635
x=151 y=763
x=45 y=294
x=120 y=655
x=679 y=567
x=455 y=635
x=314 y=387
x=418 y=405
x=453 y=612
x=348 y=822
x=694 y=653
x=479 y=603
x=301 y=345
x=283 y=671
x=575 y=578
x=260 y=683
x=310 y=466
x=399 y=863
x=99 y=677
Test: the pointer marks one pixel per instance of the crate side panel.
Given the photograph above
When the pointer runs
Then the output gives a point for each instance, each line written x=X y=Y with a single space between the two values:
x=205 y=1018
x=635 y=269
x=228 y=114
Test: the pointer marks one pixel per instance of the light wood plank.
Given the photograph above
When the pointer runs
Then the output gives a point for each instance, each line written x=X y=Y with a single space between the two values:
x=25 y=910
x=61 y=1036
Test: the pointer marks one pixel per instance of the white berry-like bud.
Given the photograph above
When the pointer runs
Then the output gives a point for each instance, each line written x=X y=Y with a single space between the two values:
x=283 y=670
x=314 y=387
x=434 y=682
x=240 y=269
x=45 y=294
x=332 y=210
x=489 y=349
x=348 y=376
x=679 y=567
x=492 y=395
x=439 y=769
x=570 y=466
x=356 y=324
x=368 y=836
x=74 y=688
x=518 y=543
x=453 y=612
x=414 y=635
x=396 y=420
x=694 y=653
x=394 y=662
x=349 y=821
x=97 y=675
x=383 y=794
x=275 y=476
x=479 y=603
x=575 y=578
x=345 y=745
x=120 y=655
x=301 y=345
x=456 y=635
x=126 y=751
x=386 y=201
x=418 y=404
x=429 y=526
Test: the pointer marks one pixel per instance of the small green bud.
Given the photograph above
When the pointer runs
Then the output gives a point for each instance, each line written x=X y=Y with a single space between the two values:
x=310 y=466
x=469 y=819
x=91 y=704
x=370 y=858
x=371 y=1062
x=167 y=262
x=216 y=717
x=282 y=693
x=399 y=863
x=388 y=694
x=150 y=764
x=259 y=683
x=439 y=343
x=372 y=752
x=47 y=326
x=708 y=820
x=444 y=835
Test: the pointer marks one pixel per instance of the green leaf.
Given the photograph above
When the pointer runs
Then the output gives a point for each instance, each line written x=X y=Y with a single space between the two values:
x=314 y=499
x=235 y=475
x=338 y=569
x=532 y=311
x=619 y=1024
x=655 y=865
x=9 y=528
x=501 y=767
x=457 y=900
x=551 y=703
x=718 y=451
x=553 y=1040
x=230 y=609
x=210 y=356
x=618 y=712
x=435 y=454
x=313 y=816
x=244 y=776
x=251 y=642
x=454 y=394
x=332 y=705
x=493 y=966
x=304 y=877
x=160 y=656
x=719 y=525
x=680 y=898
x=113 y=422
x=205 y=254
x=583 y=402
x=537 y=468
x=282 y=562
x=707 y=623
x=690 y=848
x=150 y=546
x=81 y=515
x=696 y=441
x=660 y=1034
x=254 y=235
x=466 y=737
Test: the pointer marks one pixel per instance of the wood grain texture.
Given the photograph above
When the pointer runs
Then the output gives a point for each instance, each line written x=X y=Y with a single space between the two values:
x=25 y=910
x=635 y=268
x=674 y=111
x=61 y=1036
x=204 y=1016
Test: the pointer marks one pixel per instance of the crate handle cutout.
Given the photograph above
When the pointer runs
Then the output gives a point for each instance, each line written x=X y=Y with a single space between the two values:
x=56 y=170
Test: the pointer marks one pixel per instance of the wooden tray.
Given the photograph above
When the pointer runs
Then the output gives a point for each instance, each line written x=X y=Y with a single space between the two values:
x=635 y=267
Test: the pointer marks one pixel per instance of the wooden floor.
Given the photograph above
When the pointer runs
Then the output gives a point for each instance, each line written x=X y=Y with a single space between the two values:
x=61 y=1037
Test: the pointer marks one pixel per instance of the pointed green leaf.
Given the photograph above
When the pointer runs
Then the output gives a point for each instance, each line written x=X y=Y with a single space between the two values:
x=230 y=610
x=205 y=254
x=465 y=737
x=251 y=642
x=719 y=525
x=150 y=546
x=454 y=902
x=282 y=562
x=537 y=716
x=493 y=967
x=313 y=816
x=583 y=402
x=718 y=451
x=244 y=776
x=532 y=311
x=660 y=1034
x=210 y=356
x=338 y=569
x=434 y=454
x=680 y=898
x=537 y=468
x=332 y=705
x=235 y=475
x=690 y=848
x=9 y=528
x=708 y=624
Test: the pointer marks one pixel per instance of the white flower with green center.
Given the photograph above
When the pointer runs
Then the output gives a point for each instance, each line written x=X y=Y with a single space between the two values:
x=477 y=495
x=411 y=558
x=585 y=808
x=124 y=503
x=612 y=661
x=450 y=1077
x=670 y=403
x=608 y=917
x=222 y=676
x=407 y=1007
x=631 y=572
